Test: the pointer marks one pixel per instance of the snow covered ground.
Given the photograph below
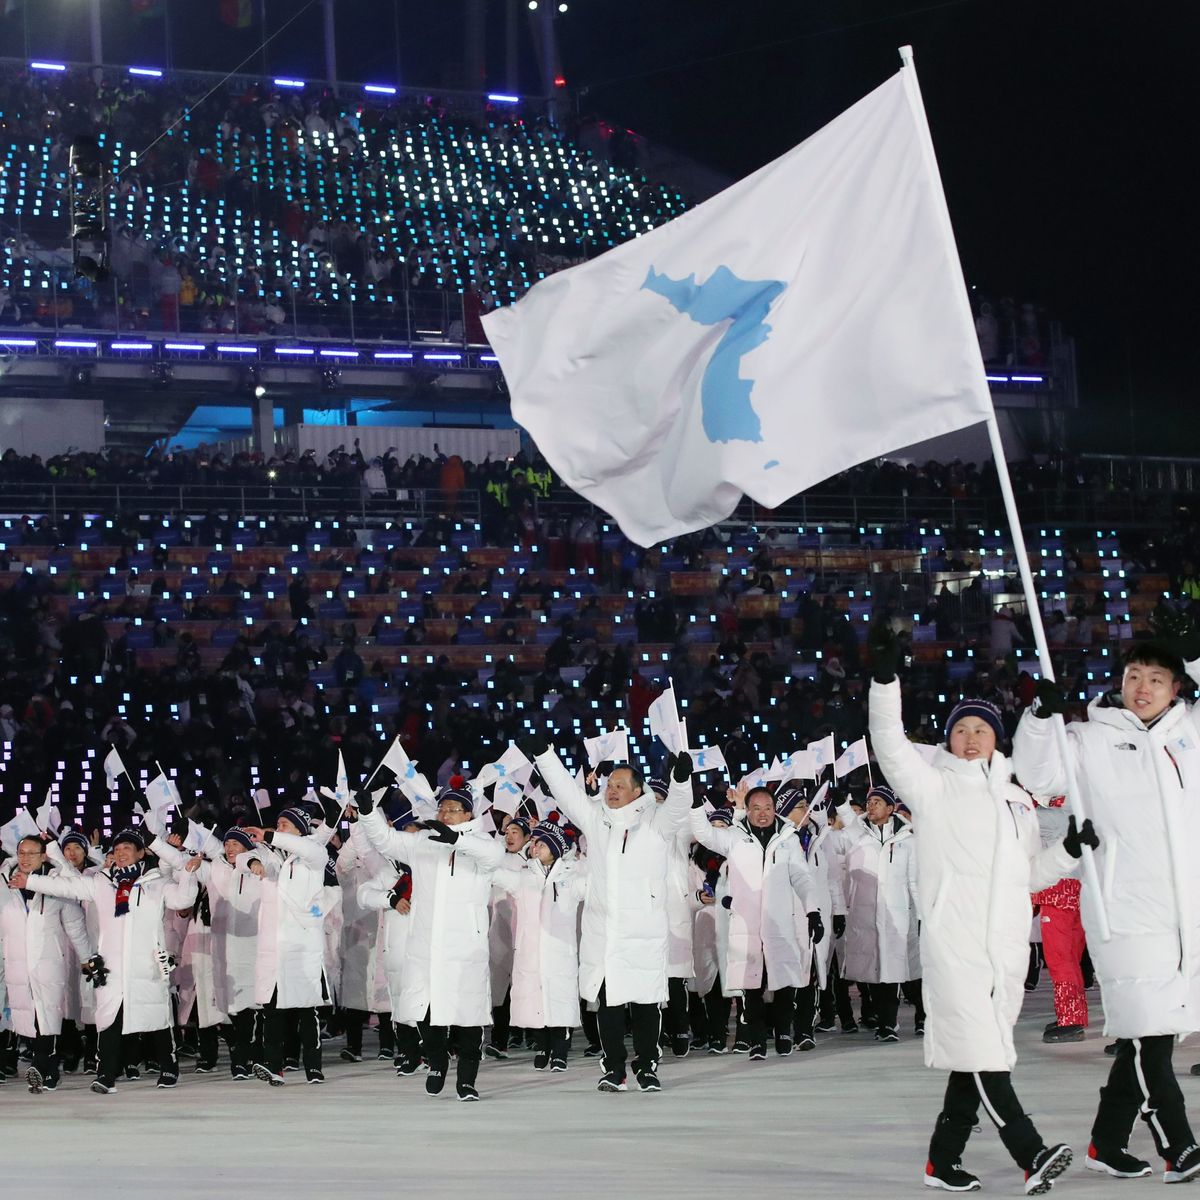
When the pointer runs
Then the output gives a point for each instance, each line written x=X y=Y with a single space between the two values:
x=849 y=1120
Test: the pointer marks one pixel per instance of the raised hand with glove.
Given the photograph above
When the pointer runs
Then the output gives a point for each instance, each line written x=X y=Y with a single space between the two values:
x=1048 y=699
x=1079 y=836
x=440 y=832
x=681 y=770
x=1176 y=630
x=533 y=745
x=886 y=652
x=364 y=802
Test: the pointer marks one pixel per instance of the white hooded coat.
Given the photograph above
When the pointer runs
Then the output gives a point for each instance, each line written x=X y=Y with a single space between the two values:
x=357 y=864
x=980 y=856
x=129 y=944
x=1141 y=789
x=446 y=964
x=290 y=951
x=626 y=930
x=826 y=865
x=764 y=947
x=40 y=940
x=545 y=977
x=391 y=943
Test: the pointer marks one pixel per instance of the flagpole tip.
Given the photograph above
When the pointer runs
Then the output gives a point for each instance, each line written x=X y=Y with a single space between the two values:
x=906 y=55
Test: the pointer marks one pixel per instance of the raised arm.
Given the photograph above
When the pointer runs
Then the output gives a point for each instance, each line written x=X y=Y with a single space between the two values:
x=1036 y=759
x=671 y=816
x=65 y=887
x=914 y=780
x=169 y=855
x=484 y=849
x=308 y=849
x=720 y=841
x=180 y=891
x=575 y=804
x=391 y=843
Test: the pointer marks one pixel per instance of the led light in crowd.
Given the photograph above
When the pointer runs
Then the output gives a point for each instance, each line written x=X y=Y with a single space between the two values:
x=149 y=72
x=306 y=350
x=47 y=66
x=442 y=357
x=182 y=346
x=386 y=354
x=339 y=353
x=382 y=89
x=237 y=349
x=67 y=344
x=500 y=97
x=131 y=346
x=289 y=83
x=26 y=342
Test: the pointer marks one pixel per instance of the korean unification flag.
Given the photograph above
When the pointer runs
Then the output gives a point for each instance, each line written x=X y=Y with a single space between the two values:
x=114 y=768
x=850 y=759
x=708 y=758
x=823 y=753
x=611 y=746
x=665 y=723
x=810 y=317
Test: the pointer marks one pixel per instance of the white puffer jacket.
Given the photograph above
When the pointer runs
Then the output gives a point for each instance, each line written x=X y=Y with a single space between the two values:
x=40 y=940
x=81 y=996
x=545 y=982
x=826 y=867
x=625 y=942
x=130 y=944
x=764 y=884
x=1141 y=789
x=234 y=896
x=290 y=951
x=391 y=944
x=980 y=856
x=446 y=964
x=357 y=864
x=681 y=909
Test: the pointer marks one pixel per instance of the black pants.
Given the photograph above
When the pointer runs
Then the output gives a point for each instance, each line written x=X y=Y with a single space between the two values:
x=589 y=1023
x=716 y=1011
x=208 y=1043
x=353 y=1020
x=885 y=1003
x=763 y=1022
x=554 y=1040
x=241 y=1040
x=965 y=1092
x=408 y=1043
x=915 y=995
x=467 y=1041
x=835 y=999
x=646 y=1022
x=44 y=1052
x=109 y=1050
x=675 y=1015
x=501 y=1022
x=807 y=999
x=1141 y=1082
x=281 y=1025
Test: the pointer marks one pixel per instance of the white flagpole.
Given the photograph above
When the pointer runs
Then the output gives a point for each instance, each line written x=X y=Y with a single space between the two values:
x=1074 y=799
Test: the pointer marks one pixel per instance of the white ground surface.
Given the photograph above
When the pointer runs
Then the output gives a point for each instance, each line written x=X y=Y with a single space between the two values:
x=850 y=1120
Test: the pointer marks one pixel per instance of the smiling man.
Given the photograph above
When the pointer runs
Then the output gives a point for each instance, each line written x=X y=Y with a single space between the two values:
x=1137 y=760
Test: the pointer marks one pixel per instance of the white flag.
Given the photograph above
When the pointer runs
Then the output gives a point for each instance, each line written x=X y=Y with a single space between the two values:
x=823 y=753
x=395 y=759
x=113 y=766
x=850 y=759
x=798 y=765
x=21 y=826
x=755 y=779
x=708 y=758
x=511 y=765
x=162 y=793
x=810 y=317
x=340 y=793
x=665 y=724
x=612 y=746
x=507 y=796
x=48 y=817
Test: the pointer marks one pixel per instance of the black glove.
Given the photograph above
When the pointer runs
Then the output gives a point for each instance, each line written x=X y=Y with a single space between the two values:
x=1079 y=837
x=533 y=745
x=681 y=772
x=1048 y=699
x=364 y=802
x=439 y=832
x=886 y=652
x=605 y=767
x=839 y=926
x=816 y=927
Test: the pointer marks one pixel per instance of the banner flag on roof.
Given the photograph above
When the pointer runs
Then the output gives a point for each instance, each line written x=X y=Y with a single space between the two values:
x=808 y=318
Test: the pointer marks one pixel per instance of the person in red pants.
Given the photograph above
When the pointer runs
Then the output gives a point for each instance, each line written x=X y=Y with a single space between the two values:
x=1063 y=941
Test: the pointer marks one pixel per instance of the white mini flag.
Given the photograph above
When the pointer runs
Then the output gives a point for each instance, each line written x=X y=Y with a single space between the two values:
x=197 y=835
x=810 y=317
x=823 y=754
x=818 y=806
x=162 y=793
x=665 y=724
x=511 y=765
x=22 y=825
x=612 y=746
x=48 y=817
x=797 y=765
x=708 y=758
x=113 y=766
x=755 y=779
x=507 y=796
x=395 y=759
x=850 y=759
x=340 y=793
